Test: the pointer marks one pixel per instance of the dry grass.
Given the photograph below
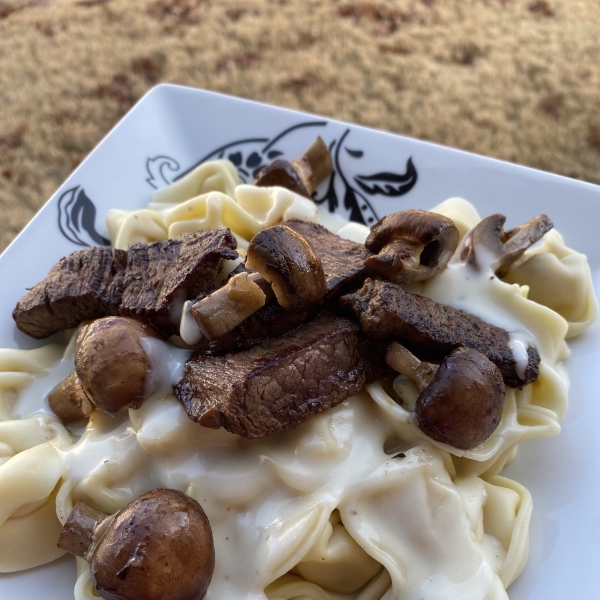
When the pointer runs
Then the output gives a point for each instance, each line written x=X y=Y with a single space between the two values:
x=511 y=79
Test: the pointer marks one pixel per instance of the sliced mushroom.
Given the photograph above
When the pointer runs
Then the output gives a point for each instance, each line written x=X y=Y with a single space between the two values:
x=462 y=406
x=288 y=262
x=487 y=245
x=411 y=245
x=112 y=364
x=230 y=305
x=302 y=175
x=69 y=402
x=160 y=546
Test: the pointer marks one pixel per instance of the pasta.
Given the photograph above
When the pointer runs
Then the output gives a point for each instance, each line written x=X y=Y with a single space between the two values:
x=355 y=504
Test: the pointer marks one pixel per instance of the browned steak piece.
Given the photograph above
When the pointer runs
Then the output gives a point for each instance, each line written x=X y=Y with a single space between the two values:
x=161 y=276
x=87 y=284
x=343 y=261
x=431 y=330
x=281 y=383
x=343 y=264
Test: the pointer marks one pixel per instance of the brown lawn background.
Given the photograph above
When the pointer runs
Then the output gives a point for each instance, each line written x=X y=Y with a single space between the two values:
x=514 y=79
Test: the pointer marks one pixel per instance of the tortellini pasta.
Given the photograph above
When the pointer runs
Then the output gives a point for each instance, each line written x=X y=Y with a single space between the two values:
x=356 y=503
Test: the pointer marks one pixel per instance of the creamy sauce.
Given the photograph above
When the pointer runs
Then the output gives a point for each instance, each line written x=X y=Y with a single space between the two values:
x=188 y=328
x=268 y=500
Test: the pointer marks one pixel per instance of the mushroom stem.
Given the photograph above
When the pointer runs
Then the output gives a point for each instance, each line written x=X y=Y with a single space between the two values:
x=419 y=372
x=230 y=305
x=83 y=530
x=487 y=245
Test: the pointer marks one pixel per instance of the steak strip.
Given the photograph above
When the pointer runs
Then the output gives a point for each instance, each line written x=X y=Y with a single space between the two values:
x=149 y=282
x=431 y=330
x=276 y=386
x=87 y=284
x=344 y=268
x=161 y=276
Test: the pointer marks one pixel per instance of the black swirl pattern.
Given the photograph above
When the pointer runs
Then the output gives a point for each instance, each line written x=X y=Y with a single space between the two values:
x=77 y=218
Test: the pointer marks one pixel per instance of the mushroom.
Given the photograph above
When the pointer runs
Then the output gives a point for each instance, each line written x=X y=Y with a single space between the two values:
x=230 y=305
x=488 y=245
x=302 y=175
x=68 y=400
x=411 y=245
x=159 y=547
x=288 y=262
x=461 y=402
x=112 y=362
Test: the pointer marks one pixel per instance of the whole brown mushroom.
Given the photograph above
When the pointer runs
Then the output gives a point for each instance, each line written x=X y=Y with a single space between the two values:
x=159 y=547
x=462 y=405
x=112 y=365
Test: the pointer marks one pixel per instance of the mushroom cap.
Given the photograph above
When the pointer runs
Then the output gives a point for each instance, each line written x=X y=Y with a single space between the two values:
x=281 y=173
x=288 y=262
x=462 y=406
x=159 y=547
x=411 y=245
x=68 y=400
x=111 y=364
x=488 y=245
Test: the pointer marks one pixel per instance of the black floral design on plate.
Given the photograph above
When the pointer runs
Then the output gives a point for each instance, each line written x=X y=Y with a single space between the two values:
x=77 y=218
x=355 y=202
x=250 y=155
x=158 y=168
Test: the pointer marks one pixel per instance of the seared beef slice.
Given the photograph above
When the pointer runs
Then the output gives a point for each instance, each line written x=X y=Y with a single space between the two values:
x=161 y=276
x=432 y=330
x=281 y=383
x=87 y=284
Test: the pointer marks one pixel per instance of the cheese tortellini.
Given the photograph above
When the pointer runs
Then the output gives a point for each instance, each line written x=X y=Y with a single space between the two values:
x=356 y=503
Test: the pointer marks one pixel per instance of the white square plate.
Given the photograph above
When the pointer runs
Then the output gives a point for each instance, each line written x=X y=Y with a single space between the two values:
x=174 y=128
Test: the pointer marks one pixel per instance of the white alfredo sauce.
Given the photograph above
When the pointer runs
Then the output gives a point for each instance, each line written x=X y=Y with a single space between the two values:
x=267 y=500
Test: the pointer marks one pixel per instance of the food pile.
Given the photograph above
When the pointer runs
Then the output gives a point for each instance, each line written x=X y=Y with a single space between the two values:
x=293 y=324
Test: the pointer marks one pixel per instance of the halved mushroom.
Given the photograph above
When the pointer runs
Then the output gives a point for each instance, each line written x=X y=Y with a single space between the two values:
x=302 y=175
x=68 y=400
x=231 y=304
x=461 y=402
x=411 y=245
x=288 y=262
x=112 y=364
x=488 y=245
x=160 y=546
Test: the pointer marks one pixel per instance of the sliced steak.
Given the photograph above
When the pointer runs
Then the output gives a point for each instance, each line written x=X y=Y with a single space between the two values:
x=281 y=383
x=87 y=284
x=161 y=276
x=343 y=264
x=431 y=330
